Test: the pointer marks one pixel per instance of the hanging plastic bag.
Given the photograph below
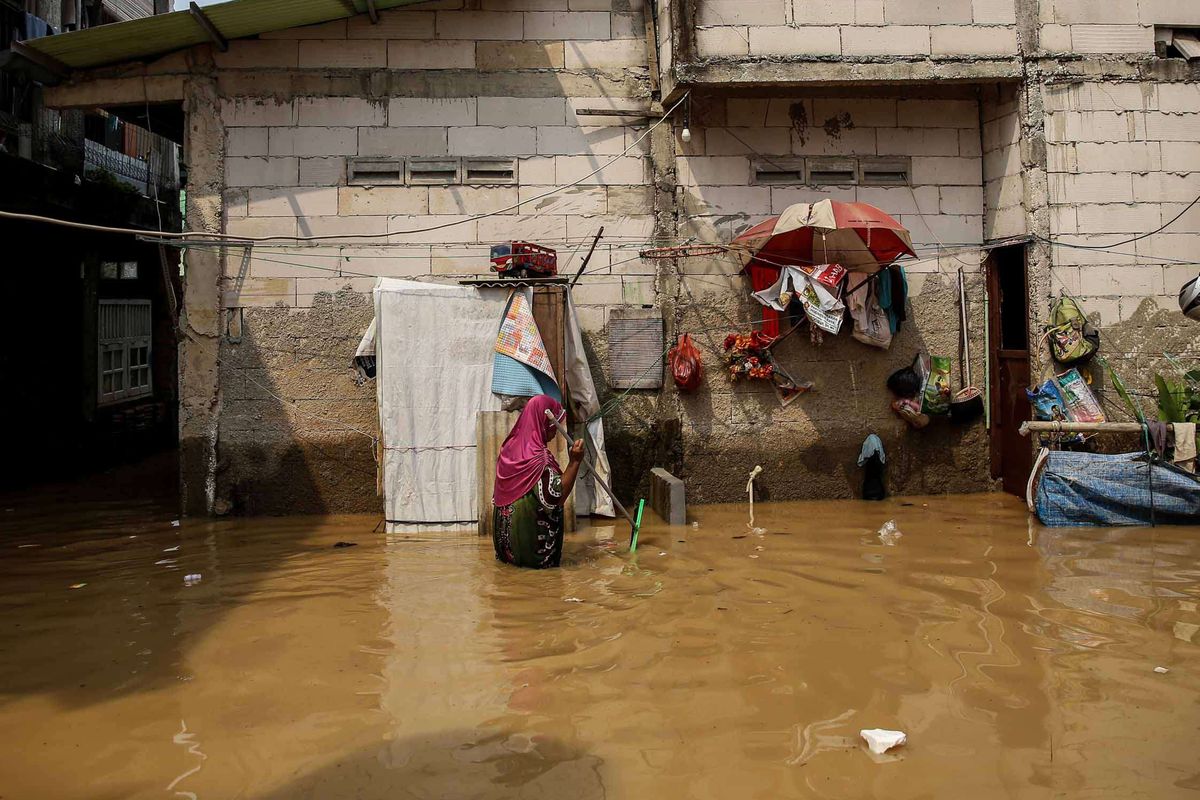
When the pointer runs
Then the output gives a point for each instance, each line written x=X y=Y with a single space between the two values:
x=686 y=367
x=936 y=397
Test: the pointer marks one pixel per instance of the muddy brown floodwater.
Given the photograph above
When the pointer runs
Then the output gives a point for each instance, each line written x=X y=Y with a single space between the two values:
x=716 y=663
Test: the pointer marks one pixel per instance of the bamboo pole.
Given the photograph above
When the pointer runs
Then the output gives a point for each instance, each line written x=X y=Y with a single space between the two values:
x=1080 y=427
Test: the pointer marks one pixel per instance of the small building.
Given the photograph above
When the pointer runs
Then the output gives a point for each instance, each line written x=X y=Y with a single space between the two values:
x=1037 y=145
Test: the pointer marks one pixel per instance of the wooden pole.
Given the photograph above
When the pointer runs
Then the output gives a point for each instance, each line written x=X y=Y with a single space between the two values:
x=1080 y=427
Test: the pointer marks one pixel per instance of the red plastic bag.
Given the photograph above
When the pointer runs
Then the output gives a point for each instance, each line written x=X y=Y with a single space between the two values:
x=686 y=368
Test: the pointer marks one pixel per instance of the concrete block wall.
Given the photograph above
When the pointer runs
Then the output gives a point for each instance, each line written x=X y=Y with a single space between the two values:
x=1123 y=161
x=433 y=81
x=809 y=448
x=855 y=28
x=1005 y=207
x=1114 y=28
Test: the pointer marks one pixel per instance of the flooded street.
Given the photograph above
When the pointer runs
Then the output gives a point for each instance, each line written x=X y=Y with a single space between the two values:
x=716 y=663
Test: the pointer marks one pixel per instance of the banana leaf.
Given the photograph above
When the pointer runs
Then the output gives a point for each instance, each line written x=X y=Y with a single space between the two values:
x=1119 y=385
x=1169 y=397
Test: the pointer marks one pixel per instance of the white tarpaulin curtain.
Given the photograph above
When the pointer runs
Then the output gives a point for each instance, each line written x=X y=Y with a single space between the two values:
x=434 y=347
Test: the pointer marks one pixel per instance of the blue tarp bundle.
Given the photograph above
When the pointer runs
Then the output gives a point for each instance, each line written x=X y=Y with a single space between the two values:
x=1077 y=489
x=512 y=377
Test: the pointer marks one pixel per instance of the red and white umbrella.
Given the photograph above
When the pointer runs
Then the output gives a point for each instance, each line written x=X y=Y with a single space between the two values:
x=858 y=236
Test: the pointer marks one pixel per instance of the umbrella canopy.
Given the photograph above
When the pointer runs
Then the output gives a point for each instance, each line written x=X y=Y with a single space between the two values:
x=858 y=236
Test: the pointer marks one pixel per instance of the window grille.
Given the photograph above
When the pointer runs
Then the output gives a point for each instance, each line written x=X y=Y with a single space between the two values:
x=635 y=346
x=123 y=357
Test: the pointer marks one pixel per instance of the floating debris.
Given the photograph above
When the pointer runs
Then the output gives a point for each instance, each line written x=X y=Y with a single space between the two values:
x=170 y=549
x=881 y=740
x=1161 y=670
x=889 y=534
x=192 y=579
x=78 y=585
x=573 y=600
x=346 y=544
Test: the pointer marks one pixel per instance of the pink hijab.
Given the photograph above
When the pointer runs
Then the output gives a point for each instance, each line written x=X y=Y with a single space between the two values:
x=524 y=454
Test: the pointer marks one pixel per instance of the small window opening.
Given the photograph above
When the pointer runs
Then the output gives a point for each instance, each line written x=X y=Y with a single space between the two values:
x=490 y=171
x=779 y=170
x=885 y=172
x=374 y=171
x=833 y=172
x=428 y=170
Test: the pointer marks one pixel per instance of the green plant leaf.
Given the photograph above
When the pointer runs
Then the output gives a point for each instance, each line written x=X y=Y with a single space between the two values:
x=1119 y=385
x=1168 y=400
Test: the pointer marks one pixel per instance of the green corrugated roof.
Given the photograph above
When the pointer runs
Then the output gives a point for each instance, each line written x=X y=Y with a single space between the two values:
x=155 y=36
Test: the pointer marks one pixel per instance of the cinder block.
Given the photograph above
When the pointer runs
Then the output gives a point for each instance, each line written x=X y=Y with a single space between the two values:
x=255 y=112
x=448 y=229
x=246 y=141
x=307 y=291
x=621 y=170
x=567 y=140
x=1179 y=157
x=480 y=25
x=742 y=12
x=713 y=200
x=999 y=163
x=402 y=142
x=1179 y=97
x=994 y=12
x=872 y=113
x=522 y=111
x=1005 y=222
x=313 y=141
x=1165 y=246
x=969 y=143
x=668 y=497
x=471 y=199
x=1118 y=218
x=1174 y=12
x=235 y=202
x=713 y=170
x=1173 y=127
x=927 y=12
x=628 y=25
x=1054 y=38
x=1158 y=187
x=1096 y=126
x=464 y=260
x=625 y=200
x=576 y=200
x=961 y=200
x=890 y=40
x=823 y=12
x=613 y=54
x=382 y=200
x=938 y=113
x=747 y=141
x=527 y=5
x=868 y=12
x=782 y=197
x=503 y=56
x=941 y=171
x=261 y=171
x=261 y=226
x=1112 y=39
x=349 y=227
x=258 y=54
x=787 y=40
x=947 y=229
x=342 y=54
x=308 y=202
x=906 y=200
x=723 y=41
x=1128 y=279
x=1001 y=132
x=340 y=111
x=394 y=24
x=408 y=112
x=322 y=171
x=567 y=25
x=917 y=141
x=973 y=40
x=489 y=141
x=1097 y=187
x=1008 y=191
x=815 y=141
x=431 y=55
x=1101 y=96
x=630 y=228
x=531 y=227
x=1126 y=156
x=1068 y=12
x=1063 y=220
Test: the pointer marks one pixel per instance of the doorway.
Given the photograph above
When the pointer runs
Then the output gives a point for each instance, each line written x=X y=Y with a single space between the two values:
x=1008 y=356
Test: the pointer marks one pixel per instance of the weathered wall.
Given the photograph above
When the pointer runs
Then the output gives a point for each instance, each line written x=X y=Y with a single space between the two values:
x=433 y=81
x=857 y=28
x=809 y=449
x=1124 y=160
x=1005 y=207
x=1126 y=27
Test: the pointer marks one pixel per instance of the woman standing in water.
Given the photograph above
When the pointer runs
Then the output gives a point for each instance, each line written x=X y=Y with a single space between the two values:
x=527 y=524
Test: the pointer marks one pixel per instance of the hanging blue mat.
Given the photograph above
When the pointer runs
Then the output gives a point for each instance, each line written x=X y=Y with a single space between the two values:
x=511 y=377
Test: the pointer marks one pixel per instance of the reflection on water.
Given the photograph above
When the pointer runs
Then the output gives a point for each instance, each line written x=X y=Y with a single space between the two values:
x=716 y=663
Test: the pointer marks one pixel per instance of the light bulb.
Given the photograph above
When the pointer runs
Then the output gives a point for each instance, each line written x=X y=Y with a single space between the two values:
x=686 y=135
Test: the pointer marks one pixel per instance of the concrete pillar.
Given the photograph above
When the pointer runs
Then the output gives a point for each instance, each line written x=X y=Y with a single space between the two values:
x=200 y=318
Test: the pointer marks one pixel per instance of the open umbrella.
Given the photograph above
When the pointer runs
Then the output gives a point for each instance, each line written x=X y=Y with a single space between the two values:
x=858 y=236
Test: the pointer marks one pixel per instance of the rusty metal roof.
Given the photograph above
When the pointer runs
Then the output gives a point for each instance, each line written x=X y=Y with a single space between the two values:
x=155 y=36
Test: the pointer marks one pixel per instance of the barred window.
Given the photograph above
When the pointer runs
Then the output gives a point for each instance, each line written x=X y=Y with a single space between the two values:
x=123 y=362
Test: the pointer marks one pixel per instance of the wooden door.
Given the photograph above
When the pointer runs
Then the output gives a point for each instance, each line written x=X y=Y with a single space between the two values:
x=1008 y=331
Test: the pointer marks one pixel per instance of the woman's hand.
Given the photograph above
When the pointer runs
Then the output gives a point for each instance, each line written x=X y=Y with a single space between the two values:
x=576 y=454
